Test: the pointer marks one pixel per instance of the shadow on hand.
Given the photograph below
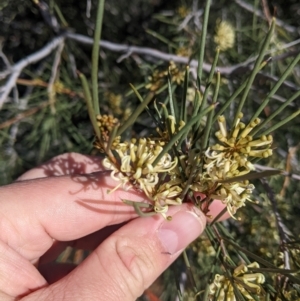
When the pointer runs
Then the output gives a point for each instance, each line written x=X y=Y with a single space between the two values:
x=65 y=164
x=72 y=164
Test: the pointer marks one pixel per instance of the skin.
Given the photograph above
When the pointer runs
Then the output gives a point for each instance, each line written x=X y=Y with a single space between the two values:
x=64 y=202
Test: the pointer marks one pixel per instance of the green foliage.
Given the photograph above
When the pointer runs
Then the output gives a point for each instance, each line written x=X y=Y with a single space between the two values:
x=46 y=114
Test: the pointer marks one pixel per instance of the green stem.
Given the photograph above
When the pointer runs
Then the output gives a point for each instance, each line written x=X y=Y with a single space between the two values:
x=184 y=94
x=254 y=20
x=275 y=113
x=95 y=55
x=135 y=114
x=186 y=128
x=194 y=170
x=161 y=38
x=60 y=15
x=166 y=119
x=208 y=126
x=276 y=87
x=212 y=271
x=89 y=102
x=138 y=87
x=229 y=101
x=189 y=270
x=281 y=123
x=138 y=208
x=257 y=66
x=203 y=42
x=172 y=104
x=111 y=139
x=154 y=118
x=208 y=84
x=201 y=106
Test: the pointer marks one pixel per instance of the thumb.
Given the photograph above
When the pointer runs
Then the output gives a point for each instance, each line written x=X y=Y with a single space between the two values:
x=130 y=260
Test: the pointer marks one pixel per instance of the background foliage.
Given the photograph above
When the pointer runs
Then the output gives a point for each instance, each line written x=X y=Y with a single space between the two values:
x=45 y=114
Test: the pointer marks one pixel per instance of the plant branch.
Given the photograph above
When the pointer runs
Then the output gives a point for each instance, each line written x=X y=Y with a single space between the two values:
x=16 y=69
x=129 y=50
x=283 y=173
x=23 y=115
x=155 y=53
x=282 y=229
x=95 y=56
x=260 y=14
x=54 y=75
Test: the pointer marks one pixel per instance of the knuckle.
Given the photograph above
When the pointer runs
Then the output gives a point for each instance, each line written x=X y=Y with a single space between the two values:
x=137 y=262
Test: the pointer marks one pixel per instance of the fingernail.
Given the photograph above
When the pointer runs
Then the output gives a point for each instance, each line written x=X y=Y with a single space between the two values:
x=177 y=234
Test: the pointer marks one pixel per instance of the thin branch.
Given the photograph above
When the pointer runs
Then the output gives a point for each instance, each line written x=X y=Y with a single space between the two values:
x=194 y=14
x=260 y=14
x=283 y=231
x=23 y=115
x=3 y=56
x=275 y=79
x=153 y=53
x=262 y=167
x=224 y=71
x=266 y=10
x=16 y=69
x=95 y=56
x=288 y=168
x=88 y=8
x=54 y=75
x=8 y=66
x=49 y=18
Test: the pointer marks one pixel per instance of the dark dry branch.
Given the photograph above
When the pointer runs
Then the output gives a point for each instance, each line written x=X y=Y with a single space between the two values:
x=129 y=50
x=260 y=14
x=17 y=68
x=283 y=231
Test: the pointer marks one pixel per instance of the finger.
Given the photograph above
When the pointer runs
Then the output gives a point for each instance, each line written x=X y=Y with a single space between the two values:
x=89 y=242
x=36 y=212
x=65 y=164
x=129 y=260
x=25 y=275
x=17 y=275
x=70 y=163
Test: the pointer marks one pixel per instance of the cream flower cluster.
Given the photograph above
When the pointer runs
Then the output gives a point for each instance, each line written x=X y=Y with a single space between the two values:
x=158 y=78
x=230 y=158
x=225 y=35
x=106 y=123
x=136 y=170
x=245 y=281
x=209 y=173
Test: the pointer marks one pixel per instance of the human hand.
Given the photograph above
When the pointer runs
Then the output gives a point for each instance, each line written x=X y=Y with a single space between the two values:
x=65 y=202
